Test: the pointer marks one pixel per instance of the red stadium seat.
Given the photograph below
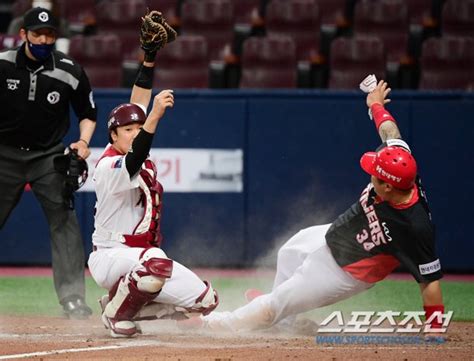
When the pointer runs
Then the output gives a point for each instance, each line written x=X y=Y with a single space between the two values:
x=387 y=19
x=183 y=64
x=123 y=18
x=447 y=63
x=19 y=7
x=213 y=19
x=457 y=18
x=420 y=12
x=298 y=19
x=245 y=11
x=332 y=12
x=269 y=62
x=352 y=59
x=100 y=57
x=78 y=13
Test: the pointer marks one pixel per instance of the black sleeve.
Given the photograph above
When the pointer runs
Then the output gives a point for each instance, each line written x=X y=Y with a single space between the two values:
x=418 y=255
x=139 y=152
x=82 y=99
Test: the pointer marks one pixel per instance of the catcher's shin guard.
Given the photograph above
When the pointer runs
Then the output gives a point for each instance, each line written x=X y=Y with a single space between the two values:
x=134 y=291
x=118 y=313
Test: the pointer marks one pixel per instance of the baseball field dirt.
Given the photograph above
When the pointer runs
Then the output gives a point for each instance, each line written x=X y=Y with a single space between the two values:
x=56 y=338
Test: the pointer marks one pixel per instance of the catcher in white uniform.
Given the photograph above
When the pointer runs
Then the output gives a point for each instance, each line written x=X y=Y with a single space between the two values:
x=389 y=224
x=143 y=282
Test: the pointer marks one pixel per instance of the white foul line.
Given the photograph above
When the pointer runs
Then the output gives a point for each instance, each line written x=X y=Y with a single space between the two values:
x=73 y=350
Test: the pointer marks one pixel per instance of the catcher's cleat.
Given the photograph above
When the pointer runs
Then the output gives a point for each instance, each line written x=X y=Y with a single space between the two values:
x=252 y=293
x=103 y=303
x=119 y=328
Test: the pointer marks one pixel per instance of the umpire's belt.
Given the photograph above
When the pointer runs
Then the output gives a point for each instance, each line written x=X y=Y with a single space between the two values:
x=26 y=147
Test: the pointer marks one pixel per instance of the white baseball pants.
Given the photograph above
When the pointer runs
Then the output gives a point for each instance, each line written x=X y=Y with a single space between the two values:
x=107 y=265
x=307 y=277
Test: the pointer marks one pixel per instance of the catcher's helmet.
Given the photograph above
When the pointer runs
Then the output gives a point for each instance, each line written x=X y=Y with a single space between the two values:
x=393 y=165
x=124 y=114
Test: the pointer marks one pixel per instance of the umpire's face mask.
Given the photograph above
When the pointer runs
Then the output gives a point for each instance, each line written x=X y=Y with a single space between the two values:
x=41 y=51
x=41 y=42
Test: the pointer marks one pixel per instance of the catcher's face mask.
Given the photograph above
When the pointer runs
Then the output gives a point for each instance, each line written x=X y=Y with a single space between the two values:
x=73 y=167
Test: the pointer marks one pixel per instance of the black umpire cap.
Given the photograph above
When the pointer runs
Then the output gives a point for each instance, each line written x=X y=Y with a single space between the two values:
x=39 y=18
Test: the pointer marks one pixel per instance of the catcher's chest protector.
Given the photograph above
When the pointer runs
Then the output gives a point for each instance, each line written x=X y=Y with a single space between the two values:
x=147 y=232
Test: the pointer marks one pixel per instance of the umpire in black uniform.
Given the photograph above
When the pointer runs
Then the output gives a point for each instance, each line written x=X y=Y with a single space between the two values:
x=37 y=85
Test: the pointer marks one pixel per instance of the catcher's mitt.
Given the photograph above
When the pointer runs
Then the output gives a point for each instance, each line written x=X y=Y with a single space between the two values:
x=155 y=32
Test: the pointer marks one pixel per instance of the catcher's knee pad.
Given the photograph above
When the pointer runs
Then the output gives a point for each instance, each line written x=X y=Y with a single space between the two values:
x=206 y=302
x=157 y=267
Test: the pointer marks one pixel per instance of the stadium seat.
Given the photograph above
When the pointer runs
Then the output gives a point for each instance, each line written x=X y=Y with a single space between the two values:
x=298 y=19
x=352 y=59
x=420 y=12
x=245 y=11
x=123 y=18
x=100 y=55
x=19 y=7
x=457 y=18
x=447 y=63
x=9 y=41
x=248 y=21
x=423 y=24
x=183 y=64
x=213 y=19
x=269 y=62
x=332 y=12
x=387 y=19
x=78 y=13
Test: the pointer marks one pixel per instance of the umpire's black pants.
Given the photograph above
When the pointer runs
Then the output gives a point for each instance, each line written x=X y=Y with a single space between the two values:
x=21 y=166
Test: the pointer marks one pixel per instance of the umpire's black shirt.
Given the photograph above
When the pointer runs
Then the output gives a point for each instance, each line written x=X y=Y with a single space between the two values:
x=35 y=98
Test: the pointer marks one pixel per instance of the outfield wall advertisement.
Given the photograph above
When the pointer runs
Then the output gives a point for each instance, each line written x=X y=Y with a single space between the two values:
x=189 y=170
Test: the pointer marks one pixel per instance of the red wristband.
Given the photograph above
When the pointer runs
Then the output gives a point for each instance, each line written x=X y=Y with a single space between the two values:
x=380 y=115
x=429 y=310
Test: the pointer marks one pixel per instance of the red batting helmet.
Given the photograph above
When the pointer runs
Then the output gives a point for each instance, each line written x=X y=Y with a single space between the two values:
x=125 y=114
x=393 y=165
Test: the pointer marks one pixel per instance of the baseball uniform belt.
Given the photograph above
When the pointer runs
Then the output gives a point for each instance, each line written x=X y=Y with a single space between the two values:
x=143 y=240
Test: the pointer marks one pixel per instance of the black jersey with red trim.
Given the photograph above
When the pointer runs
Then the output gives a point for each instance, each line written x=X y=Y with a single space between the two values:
x=373 y=237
